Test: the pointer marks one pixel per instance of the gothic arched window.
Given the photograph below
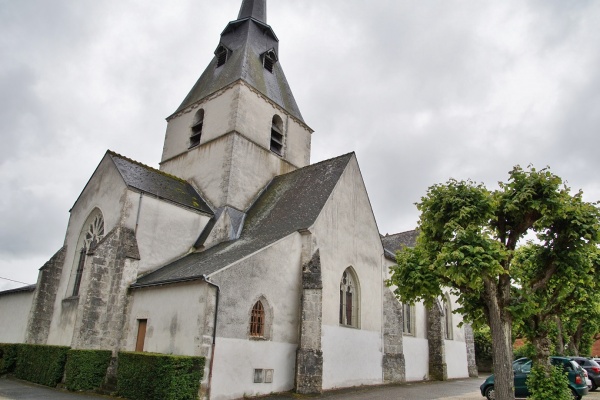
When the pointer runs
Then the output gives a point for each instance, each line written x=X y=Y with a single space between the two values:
x=448 y=318
x=197 y=128
x=257 y=320
x=349 y=299
x=91 y=234
x=277 y=135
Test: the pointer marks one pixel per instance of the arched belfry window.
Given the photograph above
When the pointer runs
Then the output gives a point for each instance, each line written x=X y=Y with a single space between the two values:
x=349 y=299
x=448 y=329
x=222 y=54
x=277 y=135
x=269 y=59
x=91 y=234
x=257 y=320
x=197 y=128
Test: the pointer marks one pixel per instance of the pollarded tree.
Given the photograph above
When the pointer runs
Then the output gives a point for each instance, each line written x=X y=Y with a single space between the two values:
x=468 y=240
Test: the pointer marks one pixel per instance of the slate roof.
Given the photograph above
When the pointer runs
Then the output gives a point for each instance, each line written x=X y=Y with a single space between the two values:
x=395 y=242
x=291 y=202
x=247 y=39
x=28 y=288
x=152 y=181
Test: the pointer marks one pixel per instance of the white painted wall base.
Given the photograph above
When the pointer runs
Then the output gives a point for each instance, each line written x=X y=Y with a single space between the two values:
x=456 y=359
x=416 y=356
x=14 y=313
x=236 y=359
x=351 y=357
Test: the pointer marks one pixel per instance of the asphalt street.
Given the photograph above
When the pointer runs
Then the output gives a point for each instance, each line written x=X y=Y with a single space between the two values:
x=460 y=389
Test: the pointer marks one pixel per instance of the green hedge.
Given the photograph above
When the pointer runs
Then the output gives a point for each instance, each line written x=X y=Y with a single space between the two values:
x=8 y=357
x=41 y=364
x=86 y=369
x=149 y=376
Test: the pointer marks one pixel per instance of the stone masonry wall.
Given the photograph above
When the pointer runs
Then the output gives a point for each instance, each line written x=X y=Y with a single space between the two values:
x=470 y=342
x=102 y=315
x=42 y=307
x=309 y=356
x=394 y=365
x=437 y=352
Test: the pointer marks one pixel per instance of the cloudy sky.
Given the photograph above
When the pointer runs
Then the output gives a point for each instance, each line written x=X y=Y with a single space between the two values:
x=421 y=90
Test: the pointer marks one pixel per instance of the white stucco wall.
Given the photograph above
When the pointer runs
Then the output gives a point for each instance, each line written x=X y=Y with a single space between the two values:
x=165 y=231
x=14 y=313
x=273 y=274
x=416 y=356
x=236 y=359
x=347 y=236
x=456 y=359
x=176 y=317
x=351 y=357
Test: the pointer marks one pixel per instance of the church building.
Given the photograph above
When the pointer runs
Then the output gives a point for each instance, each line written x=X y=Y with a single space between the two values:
x=238 y=249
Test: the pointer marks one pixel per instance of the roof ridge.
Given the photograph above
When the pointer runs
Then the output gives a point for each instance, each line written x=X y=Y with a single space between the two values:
x=315 y=165
x=140 y=164
x=399 y=233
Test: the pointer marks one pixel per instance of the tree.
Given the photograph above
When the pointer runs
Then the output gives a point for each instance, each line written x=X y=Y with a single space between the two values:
x=469 y=241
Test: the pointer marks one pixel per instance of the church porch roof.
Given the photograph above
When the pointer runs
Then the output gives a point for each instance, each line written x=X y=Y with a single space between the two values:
x=398 y=241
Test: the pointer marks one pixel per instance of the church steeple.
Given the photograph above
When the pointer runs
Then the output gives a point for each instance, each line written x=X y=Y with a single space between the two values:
x=256 y=9
x=248 y=50
x=240 y=125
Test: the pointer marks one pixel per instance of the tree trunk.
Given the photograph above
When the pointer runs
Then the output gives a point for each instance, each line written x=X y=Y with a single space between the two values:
x=542 y=346
x=502 y=354
x=560 y=341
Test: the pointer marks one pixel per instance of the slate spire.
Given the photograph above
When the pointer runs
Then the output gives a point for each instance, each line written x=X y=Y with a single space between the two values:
x=256 y=9
x=248 y=51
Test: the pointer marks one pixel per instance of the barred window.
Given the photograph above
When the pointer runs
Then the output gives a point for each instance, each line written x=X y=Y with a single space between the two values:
x=257 y=320
x=349 y=299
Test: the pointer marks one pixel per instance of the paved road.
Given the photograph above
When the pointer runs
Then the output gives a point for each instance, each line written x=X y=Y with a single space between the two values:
x=461 y=389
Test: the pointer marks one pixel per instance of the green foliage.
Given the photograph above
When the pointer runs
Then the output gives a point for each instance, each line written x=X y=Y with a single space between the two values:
x=148 y=376
x=86 y=369
x=8 y=357
x=483 y=349
x=474 y=242
x=527 y=350
x=548 y=383
x=41 y=364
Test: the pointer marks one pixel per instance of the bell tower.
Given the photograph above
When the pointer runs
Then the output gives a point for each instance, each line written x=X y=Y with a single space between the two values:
x=239 y=126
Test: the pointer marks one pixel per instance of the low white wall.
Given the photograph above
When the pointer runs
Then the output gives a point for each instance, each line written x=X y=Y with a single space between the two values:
x=14 y=313
x=416 y=356
x=236 y=359
x=351 y=357
x=456 y=359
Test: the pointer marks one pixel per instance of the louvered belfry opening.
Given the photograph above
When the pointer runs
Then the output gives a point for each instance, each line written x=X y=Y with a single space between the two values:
x=277 y=135
x=269 y=61
x=221 y=54
x=197 y=129
x=257 y=320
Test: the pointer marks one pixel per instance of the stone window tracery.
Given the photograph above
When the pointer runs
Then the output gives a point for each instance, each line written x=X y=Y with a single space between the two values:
x=93 y=232
x=349 y=299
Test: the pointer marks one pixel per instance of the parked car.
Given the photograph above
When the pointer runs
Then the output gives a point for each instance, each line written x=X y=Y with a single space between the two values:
x=592 y=368
x=522 y=369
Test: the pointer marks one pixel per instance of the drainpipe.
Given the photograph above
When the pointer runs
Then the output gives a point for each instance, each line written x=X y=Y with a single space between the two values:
x=214 y=335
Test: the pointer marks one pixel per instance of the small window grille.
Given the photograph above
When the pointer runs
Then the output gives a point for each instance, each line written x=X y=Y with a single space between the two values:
x=197 y=129
x=259 y=376
x=257 y=320
x=221 y=54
